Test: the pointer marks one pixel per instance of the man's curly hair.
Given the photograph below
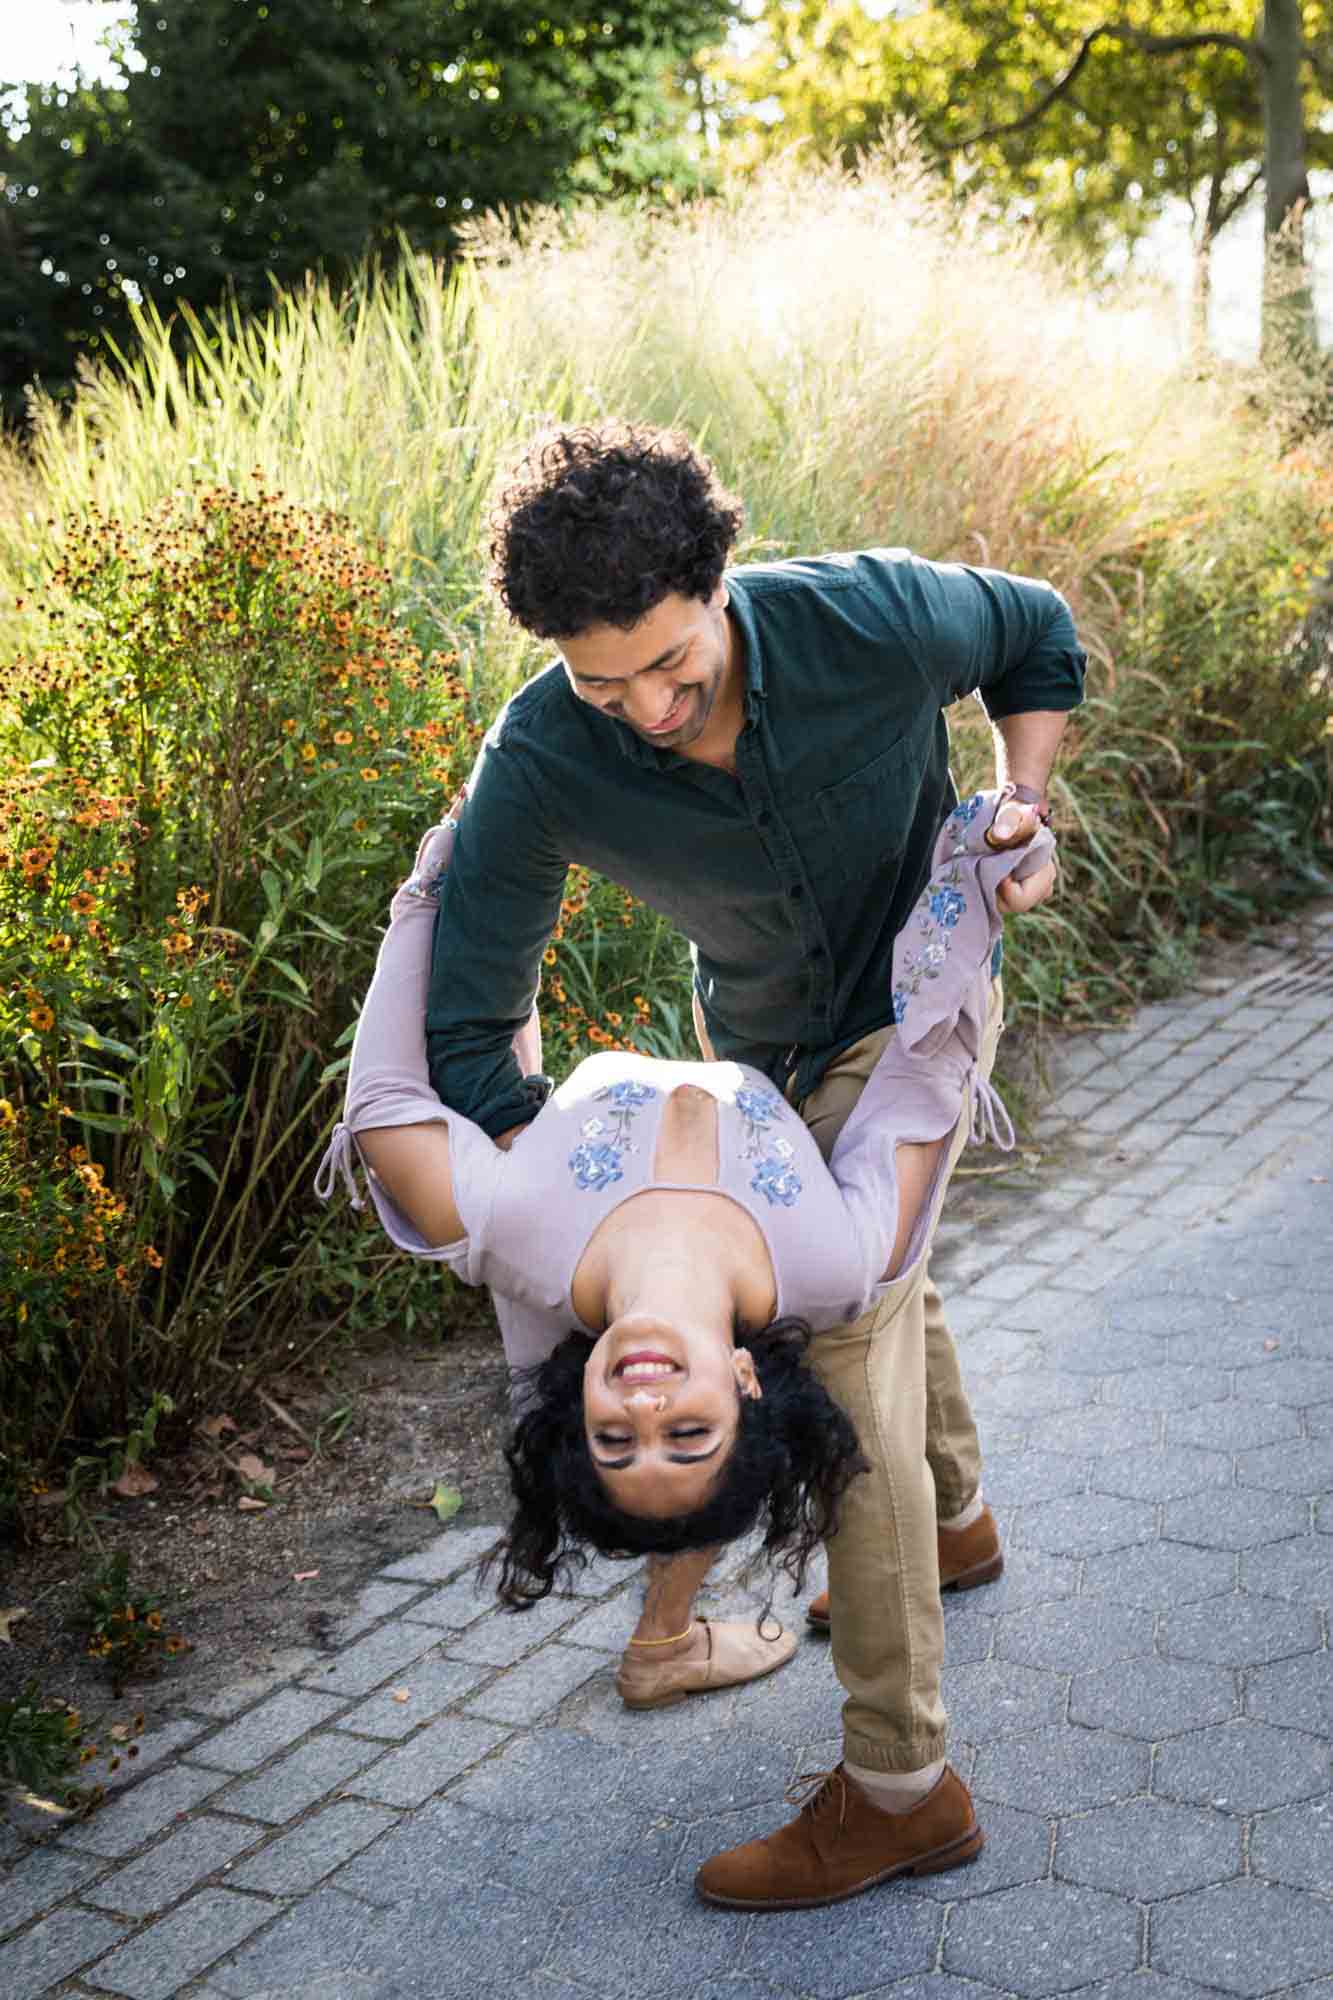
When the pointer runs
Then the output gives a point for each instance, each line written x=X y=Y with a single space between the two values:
x=599 y=522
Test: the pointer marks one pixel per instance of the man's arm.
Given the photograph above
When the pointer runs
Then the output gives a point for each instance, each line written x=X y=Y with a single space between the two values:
x=1008 y=639
x=1012 y=642
x=499 y=902
x=1025 y=747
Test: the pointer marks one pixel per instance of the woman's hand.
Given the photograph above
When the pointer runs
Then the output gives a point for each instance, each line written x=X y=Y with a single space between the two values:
x=1014 y=898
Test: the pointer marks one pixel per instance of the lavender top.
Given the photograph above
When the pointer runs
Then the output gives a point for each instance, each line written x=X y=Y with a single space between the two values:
x=529 y=1213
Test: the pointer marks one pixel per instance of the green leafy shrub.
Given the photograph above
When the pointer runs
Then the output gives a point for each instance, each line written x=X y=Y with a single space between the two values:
x=212 y=772
x=43 y=1746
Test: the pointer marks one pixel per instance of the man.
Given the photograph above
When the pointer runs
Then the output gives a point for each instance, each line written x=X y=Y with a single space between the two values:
x=762 y=755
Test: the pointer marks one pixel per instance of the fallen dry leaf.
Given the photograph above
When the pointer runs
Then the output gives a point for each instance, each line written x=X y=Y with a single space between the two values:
x=8 y=1618
x=249 y=1505
x=215 y=1426
x=133 y=1481
x=401 y=1694
x=446 y=1501
x=295 y=1454
x=303 y=1575
x=254 y=1469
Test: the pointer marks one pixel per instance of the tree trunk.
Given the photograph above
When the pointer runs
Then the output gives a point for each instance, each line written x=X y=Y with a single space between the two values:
x=1201 y=292
x=1288 y=300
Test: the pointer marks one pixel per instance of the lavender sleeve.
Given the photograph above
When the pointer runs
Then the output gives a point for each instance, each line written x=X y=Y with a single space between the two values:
x=388 y=1083
x=931 y=1067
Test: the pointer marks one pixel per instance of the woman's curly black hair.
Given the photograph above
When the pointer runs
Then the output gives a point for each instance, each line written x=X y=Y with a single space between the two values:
x=794 y=1457
x=599 y=522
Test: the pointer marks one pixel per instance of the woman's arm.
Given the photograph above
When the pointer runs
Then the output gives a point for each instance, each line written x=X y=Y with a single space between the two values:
x=412 y=1165
x=396 y=1118
x=934 y=1069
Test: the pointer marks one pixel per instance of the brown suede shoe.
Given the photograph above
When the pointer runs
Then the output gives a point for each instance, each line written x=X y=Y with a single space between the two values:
x=735 y=1652
x=968 y=1557
x=840 y=1843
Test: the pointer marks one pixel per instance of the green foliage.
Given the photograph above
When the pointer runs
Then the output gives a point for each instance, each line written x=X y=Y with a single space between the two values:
x=1137 y=130
x=124 y=1626
x=252 y=143
x=42 y=1746
x=209 y=774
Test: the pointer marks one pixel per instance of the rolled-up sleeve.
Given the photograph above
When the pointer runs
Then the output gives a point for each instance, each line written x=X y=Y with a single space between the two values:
x=1008 y=639
x=499 y=902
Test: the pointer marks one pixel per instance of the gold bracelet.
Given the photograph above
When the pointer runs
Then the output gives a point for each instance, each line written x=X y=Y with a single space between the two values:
x=665 y=1642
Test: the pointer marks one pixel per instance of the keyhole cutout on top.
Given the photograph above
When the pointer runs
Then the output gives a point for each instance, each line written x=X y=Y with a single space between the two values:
x=686 y=1147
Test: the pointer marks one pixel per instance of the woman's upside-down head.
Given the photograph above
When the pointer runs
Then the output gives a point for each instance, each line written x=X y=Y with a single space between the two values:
x=603 y=1463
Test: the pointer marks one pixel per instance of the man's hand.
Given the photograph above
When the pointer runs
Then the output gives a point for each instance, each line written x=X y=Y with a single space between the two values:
x=1014 y=825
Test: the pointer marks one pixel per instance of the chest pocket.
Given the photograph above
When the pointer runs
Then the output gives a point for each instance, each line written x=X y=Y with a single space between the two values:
x=870 y=812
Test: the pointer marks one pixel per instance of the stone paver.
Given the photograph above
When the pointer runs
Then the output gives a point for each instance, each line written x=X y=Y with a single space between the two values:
x=449 y=1800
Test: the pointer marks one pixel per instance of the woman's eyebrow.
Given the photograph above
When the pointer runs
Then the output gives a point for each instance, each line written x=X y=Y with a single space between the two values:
x=673 y=1458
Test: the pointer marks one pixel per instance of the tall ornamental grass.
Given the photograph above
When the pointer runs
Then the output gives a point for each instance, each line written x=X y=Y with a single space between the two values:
x=245 y=654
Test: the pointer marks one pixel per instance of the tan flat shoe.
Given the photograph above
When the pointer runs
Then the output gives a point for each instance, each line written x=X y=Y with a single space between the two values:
x=736 y=1653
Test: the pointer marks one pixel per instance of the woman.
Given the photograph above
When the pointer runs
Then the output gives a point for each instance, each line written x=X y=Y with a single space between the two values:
x=660 y=1240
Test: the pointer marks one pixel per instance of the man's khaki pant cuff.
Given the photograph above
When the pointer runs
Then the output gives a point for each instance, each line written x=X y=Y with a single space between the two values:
x=873 y=1754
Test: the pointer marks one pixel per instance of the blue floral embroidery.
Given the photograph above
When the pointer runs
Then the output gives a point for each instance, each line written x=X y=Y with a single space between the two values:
x=630 y=1094
x=595 y=1166
x=624 y=1101
x=938 y=908
x=758 y=1105
x=777 y=1180
x=760 y=1109
x=947 y=906
x=967 y=809
x=598 y=1162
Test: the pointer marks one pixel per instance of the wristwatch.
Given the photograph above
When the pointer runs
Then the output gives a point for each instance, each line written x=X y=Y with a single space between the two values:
x=1027 y=795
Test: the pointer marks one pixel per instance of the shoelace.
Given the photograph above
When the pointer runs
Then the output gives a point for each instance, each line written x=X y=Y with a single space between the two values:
x=814 y=1792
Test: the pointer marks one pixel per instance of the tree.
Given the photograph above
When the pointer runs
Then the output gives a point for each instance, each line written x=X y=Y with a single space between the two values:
x=257 y=141
x=1089 y=116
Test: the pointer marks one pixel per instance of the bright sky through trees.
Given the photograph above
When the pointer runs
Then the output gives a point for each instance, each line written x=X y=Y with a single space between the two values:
x=43 y=38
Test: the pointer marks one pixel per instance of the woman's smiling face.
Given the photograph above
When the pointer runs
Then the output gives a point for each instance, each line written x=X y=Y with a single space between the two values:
x=661 y=1407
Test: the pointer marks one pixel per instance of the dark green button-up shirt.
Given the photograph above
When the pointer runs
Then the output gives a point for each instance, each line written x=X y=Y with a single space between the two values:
x=792 y=877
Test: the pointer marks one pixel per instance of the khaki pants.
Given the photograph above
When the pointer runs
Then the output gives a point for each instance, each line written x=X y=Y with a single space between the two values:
x=895 y=1372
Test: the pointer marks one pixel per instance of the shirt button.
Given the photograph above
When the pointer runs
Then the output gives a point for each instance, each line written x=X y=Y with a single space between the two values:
x=796 y=891
x=816 y=951
x=764 y=818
